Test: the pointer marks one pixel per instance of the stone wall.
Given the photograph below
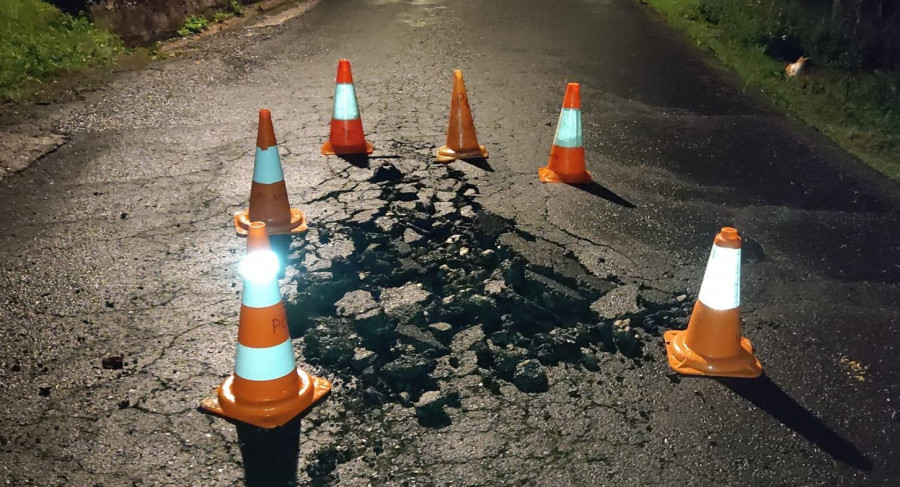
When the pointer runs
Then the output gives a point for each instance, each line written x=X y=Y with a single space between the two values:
x=144 y=21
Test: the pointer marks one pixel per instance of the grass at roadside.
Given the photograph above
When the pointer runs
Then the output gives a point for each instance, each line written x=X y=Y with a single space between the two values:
x=38 y=42
x=859 y=110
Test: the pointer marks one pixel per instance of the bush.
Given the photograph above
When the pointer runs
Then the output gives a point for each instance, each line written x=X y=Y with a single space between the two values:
x=193 y=25
x=236 y=8
x=37 y=41
x=858 y=108
x=852 y=34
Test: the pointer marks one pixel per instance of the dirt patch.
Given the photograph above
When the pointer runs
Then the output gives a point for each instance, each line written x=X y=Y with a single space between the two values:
x=23 y=144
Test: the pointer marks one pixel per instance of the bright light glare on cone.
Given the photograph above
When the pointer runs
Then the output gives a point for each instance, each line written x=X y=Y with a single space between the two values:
x=259 y=266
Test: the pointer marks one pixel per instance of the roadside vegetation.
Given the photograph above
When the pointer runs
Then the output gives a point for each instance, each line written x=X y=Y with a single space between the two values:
x=850 y=87
x=38 y=42
x=196 y=24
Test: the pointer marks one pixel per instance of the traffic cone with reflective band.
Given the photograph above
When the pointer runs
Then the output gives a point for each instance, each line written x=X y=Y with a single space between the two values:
x=267 y=388
x=712 y=344
x=566 y=164
x=268 y=194
x=462 y=142
x=347 y=136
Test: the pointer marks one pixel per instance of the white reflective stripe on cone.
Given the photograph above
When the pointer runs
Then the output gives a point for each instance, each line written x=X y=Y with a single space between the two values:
x=345 y=105
x=721 y=287
x=267 y=363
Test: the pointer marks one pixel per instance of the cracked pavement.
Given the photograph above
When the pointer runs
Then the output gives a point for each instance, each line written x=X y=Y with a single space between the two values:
x=532 y=357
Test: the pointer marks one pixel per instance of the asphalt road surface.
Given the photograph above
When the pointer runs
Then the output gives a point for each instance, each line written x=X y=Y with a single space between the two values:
x=437 y=297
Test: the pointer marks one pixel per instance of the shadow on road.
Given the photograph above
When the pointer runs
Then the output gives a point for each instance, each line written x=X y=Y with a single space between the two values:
x=358 y=160
x=596 y=189
x=281 y=245
x=769 y=397
x=480 y=163
x=270 y=456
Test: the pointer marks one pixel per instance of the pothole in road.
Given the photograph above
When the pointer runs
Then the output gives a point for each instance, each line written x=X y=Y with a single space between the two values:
x=418 y=286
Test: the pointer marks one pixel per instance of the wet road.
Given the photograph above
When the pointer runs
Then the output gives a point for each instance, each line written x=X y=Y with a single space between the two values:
x=121 y=242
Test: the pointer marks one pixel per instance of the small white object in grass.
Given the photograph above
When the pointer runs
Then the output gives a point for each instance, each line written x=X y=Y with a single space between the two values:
x=793 y=69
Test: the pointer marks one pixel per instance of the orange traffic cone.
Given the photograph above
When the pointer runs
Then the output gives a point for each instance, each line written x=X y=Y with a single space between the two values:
x=347 y=136
x=267 y=388
x=268 y=194
x=712 y=344
x=566 y=164
x=462 y=143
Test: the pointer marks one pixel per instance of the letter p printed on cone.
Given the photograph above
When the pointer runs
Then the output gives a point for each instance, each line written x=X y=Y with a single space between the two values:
x=712 y=345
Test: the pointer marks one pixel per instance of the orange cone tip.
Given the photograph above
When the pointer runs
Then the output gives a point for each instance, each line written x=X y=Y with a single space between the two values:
x=343 y=73
x=573 y=96
x=257 y=237
x=265 y=134
x=712 y=344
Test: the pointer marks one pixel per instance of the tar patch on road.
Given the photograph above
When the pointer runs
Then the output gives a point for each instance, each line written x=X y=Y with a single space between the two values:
x=421 y=275
x=411 y=286
x=417 y=288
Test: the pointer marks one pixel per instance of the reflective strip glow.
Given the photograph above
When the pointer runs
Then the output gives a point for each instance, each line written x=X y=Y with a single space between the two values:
x=260 y=271
x=267 y=166
x=721 y=288
x=345 y=107
x=265 y=363
x=261 y=295
x=568 y=130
